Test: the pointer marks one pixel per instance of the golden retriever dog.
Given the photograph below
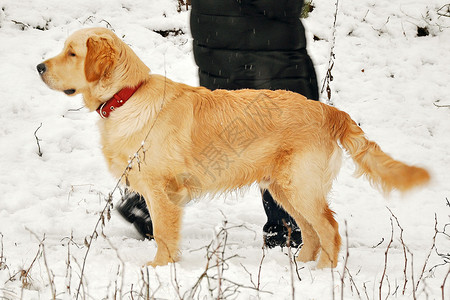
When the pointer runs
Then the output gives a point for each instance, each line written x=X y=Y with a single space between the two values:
x=198 y=141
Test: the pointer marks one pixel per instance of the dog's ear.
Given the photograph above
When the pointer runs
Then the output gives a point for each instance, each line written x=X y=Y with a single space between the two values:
x=100 y=58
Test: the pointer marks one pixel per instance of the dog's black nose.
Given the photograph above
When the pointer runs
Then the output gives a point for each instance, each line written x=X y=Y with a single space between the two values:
x=41 y=68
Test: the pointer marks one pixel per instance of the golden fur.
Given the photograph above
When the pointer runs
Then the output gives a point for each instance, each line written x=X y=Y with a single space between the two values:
x=200 y=141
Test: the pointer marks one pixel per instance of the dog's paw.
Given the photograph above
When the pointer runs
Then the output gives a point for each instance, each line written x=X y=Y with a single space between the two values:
x=306 y=255
x=155 y=263
x=325 y=263
x=159 y=262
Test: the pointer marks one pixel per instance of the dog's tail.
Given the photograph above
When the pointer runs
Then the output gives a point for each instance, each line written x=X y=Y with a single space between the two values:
x=381 y=170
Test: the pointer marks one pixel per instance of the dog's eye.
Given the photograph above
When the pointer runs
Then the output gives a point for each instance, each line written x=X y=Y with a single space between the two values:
x=72 y=54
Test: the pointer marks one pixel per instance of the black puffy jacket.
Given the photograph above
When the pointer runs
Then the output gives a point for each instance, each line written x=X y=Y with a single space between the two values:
x=257 y=44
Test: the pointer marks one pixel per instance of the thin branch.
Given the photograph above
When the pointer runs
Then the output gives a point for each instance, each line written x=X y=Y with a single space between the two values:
x=439 y=105
x=386 y=259
x=176 y=285
x=250 y=275
x=381 y=242
x=296 y=265
x=441 y=11
x=365 y=290
x=218 y=261
x=404 y=252
x=73 y=110
x=2 y=257
x=329 y=77
x=91 y=238
x=121 y=266
x=412 y=273
x=345 y=261
x=260 y=268
x=25 y=277
x=291 y=267
x=68 y=275
x=23 y=25
x=352 y=282
x=49 y=273
x=443 y=283
x=37 y=140
x=433 y=246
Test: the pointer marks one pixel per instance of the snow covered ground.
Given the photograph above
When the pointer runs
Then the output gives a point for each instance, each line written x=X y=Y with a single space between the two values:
x=394 y=83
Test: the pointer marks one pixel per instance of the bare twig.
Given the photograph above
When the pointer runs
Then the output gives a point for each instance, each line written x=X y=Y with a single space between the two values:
x=396 y=290
x=108 y=25
x=175 y=279
x=329 y=77
x=258 y=284
x=22 y=25
x=49 y=273
x=51 y=276
x=121 y=267
x=433 y=246
x=352 y=282
x=68 y=275
x=250 y=275
x=365 y=290
x=76 y=109
x=24 y=276
x=291 y=267
x=2 y=257
x=146 y=283
x=412 y=273
x=440 y=105
x=88 y=243
x=73 y=110
x=344 y=268
x=217 y=260
x=381 y=242
x=145 y=289
x=404 y=252
x=260 y=268
x=296 y=265
x=386 y=260
x=37 y=140
x=389 y=287
x=182 y=3
x=444 y=11
x=443 y=283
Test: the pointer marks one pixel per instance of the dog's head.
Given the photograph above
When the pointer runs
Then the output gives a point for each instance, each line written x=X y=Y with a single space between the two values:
x=95 y=63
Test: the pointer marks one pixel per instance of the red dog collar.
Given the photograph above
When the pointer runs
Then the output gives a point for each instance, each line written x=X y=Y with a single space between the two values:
x=116 y=101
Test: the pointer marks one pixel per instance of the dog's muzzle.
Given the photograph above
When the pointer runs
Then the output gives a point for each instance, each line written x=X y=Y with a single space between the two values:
x=42 y=68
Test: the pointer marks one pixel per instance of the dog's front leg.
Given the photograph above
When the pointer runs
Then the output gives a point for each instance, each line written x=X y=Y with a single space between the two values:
x=166 y=217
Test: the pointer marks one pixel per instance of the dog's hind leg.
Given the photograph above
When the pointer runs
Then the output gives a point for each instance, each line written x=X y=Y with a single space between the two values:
x=312 y=179
x=305 y=190
x=310 y=239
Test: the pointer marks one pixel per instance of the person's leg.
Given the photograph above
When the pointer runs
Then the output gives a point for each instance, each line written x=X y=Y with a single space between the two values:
x=276 y=230
x=312 y=92
x=133 y=208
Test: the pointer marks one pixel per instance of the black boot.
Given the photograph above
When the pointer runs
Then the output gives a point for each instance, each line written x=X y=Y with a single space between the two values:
x=134 y=209
x=276 y=231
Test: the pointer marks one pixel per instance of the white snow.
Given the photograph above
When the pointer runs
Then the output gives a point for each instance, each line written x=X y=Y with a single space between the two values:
x=388 y=79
